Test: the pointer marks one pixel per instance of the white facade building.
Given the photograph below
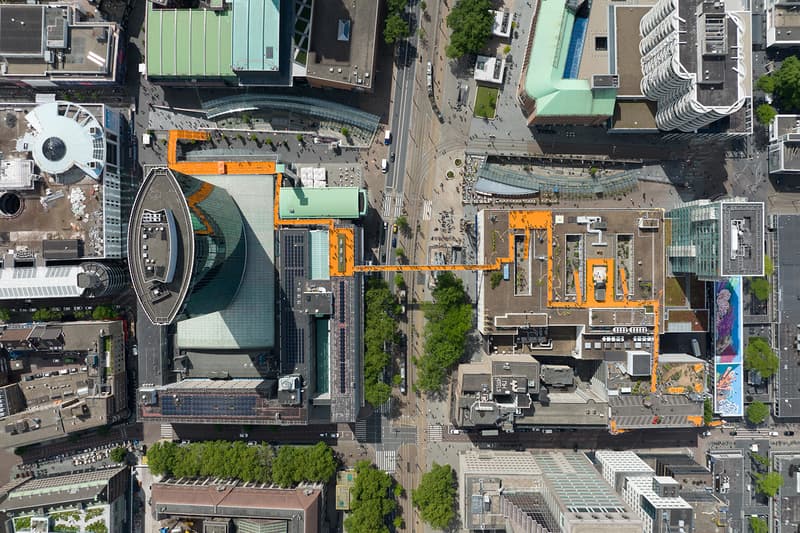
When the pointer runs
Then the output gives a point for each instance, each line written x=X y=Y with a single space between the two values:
x=696 y=63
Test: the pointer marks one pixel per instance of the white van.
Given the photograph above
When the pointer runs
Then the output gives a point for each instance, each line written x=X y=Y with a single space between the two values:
x=387 y=137
x=384 y=166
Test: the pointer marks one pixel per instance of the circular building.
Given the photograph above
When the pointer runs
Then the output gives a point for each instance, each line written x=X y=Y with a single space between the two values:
x=66 y=141
x=186 y=247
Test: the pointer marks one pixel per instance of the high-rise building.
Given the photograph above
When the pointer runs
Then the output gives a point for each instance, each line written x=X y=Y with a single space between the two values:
x=654 y=498
x=713 y=240
x=187 y=247
x=696 y=64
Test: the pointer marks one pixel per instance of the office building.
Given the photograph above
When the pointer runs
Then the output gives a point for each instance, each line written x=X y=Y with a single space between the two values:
x=715 y=240
x=66 y=182
x=539 y=492
x=784 y=144
x=785 y=246
x=782 y=23
x=263 y=43
x=655 y=499
x=66 y=377
x=787 y=464
x=571 y=322
x=244 y=353
x=94 y=500
x=187 y=247
x=696 y=64
x=225 y=506
x=49 y=45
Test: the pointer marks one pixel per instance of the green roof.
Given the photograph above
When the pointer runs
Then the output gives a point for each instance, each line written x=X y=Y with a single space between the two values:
x=329 y=202
x=256 y=31
x=545 y=82
x=188 y=42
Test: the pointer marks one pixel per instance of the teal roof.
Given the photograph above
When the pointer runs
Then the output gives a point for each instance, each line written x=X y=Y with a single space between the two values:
x=328 y=202
x=256 y=31
x=545 y=82
x=320 y=255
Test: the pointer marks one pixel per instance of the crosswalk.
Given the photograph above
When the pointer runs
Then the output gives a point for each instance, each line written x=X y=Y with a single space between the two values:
x=167 y=432
x=392 y=205
x=361 y=430
x=386 y=407
x=427 y=210
x=386 y=460
x=435 y=433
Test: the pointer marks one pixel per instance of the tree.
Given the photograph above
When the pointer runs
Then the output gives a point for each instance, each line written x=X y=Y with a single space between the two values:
x=402 y=223
x=495 y=278
x=760 y=357
x=399 y=281
x=423 y=5
x=345 y=132
x=471 y=22
x=784 y=84
x=380 y=330
x=395 y=28
x=399 y=252
x=299 y=137
x=448 y=320
x=371 y=500
x=4 y=315
x=760 y=288
x=119 y=454
x=708 y=411
x=268 y=140
x=435 y=497
x=757 y=412
x=765 y=114
x=758 y=525
x=103 y=312
x=397 y=6
x=769 y=268
x=46 y=315
x=769 y=484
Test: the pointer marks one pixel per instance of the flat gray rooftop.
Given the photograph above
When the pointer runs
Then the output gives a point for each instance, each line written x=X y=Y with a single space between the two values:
x=335 y=59
x=161 y=240
x=742 y=230
x=715 y=65
x=786 y=252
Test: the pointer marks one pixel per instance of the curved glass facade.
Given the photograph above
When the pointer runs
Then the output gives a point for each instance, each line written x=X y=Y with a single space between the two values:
x=220 y=247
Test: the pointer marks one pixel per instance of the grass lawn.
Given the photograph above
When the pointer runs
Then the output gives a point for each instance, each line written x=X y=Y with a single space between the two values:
x=675 y=293
x=485 y=102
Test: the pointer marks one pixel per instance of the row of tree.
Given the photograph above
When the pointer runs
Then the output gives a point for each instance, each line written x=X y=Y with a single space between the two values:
x=395 y=26
x=372 y=500
x=448 y=320
x=782 y=85
x=288 y=467
x=380 y=331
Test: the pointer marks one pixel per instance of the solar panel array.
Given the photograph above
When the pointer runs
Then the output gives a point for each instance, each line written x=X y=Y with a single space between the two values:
x=208 y=405
x=294 y=251
x=342 y=359
x=342 y=316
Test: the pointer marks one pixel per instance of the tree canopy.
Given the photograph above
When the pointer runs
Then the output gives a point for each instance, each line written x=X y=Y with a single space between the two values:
x=760 y=288
x=708 y=411
x=292 y=465
x=471 y=22
x=380 y=329
x=765 y=114
x=758 y=525
x=104 y=312
x=371 y=500
x=46 y=315
x=769 y=484
x=757 y=412
x=395 y=28
x=435 y=496
x=784 y=85
x=760 y=357
x=448 y=320
x=119 y=454
x=4 y=315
